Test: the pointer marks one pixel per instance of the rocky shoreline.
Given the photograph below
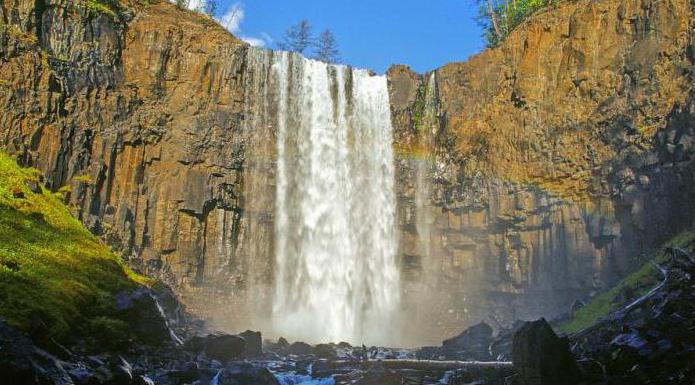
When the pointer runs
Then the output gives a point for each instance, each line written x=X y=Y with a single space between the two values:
x=649 y=340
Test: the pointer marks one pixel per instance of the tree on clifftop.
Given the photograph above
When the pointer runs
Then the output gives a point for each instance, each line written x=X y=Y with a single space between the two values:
x=327 y=48
x=297 y=38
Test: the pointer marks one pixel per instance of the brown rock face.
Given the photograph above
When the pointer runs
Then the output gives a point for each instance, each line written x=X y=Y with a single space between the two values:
x=527 y=176
x=551 y=161
x=143 y=118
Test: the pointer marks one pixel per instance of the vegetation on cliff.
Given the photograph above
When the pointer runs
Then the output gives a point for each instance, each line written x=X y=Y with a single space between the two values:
x=500 y=17
x=55 y=277
x=629 y=289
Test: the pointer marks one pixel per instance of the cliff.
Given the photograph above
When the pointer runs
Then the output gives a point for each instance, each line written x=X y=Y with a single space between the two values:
x=552 y=160
x=527 y=176
x=139 y=109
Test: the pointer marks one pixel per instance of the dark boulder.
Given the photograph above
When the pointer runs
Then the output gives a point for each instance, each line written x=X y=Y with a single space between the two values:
x=429 y=353
x=282 y=343
x=300 y=348
x=22 y=363
x=541 y=357
x=244 y=373
x=122 y=373
x=143 y=314
x=380 y=376
x=326 y=351
x=254 y=343
x=220 y=347
x=472 y=344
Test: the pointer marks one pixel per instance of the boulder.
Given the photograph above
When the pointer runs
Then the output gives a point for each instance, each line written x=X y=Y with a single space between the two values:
x=300 y=348
x=472 y=344
x=141 y=311
x=429 y=353
x=220 y=347
x=282 y=343
x=122 y=373
x=254 y=343
x=325 y=351
x=380 y=376
x=541 y=357
x=22 y=363
x=244 y=373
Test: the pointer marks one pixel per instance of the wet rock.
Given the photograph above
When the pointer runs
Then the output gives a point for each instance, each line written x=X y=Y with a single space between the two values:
x=282 y=343
x=122 y=373
x=221 y=347
x=254 y=343
x=140 y=310
x=22 y=363
x=380 y=376
x=300 y=348
x=471 y=344
x=244 y=373
x=142 y=380
x=541 y=357
x=325 y=351
x=429 y=353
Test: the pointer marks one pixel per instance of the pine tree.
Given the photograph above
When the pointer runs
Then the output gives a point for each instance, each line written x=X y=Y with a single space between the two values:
x=297 y=38
x=327 y=48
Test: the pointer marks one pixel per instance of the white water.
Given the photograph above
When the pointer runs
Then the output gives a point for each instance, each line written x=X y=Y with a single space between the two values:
x=292 y=378
x=336 y=277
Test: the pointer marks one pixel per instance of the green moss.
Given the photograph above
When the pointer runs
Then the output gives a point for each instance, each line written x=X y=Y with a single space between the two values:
x=101 y=6
x=86 y=179
x=634 y=285
x=55 y=276
x=15 y=32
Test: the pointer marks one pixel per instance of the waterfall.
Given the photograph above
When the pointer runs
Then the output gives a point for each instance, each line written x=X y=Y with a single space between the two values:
x=336 y=276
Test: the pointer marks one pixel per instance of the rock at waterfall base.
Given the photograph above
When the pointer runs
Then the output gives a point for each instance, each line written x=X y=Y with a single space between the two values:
x=220 y=347
x=254 y=343
x=541 y=357
x=471 y=345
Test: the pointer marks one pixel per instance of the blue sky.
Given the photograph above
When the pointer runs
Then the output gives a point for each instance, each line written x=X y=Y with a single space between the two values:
x=371 y=34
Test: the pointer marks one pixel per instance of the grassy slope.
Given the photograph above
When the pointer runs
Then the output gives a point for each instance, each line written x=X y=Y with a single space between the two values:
x=636 y=284
x=56 y=278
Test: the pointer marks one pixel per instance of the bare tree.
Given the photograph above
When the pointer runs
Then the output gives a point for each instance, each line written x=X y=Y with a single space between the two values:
x=493 y=18
x=327 y=48
x=297 y=38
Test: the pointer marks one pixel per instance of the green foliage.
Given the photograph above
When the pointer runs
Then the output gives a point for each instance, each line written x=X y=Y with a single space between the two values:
x=107 y=7
x=85 y=179
x=500 y=17
x=55 y=276
x=633 y=286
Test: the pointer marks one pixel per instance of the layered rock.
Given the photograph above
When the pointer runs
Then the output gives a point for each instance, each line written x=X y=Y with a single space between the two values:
x=552 y=160
x=140 y=112
x=527 y=176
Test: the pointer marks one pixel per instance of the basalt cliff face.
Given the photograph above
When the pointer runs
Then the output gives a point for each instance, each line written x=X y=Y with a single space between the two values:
x=140 y=112
x=527 y=177
x=551 y=161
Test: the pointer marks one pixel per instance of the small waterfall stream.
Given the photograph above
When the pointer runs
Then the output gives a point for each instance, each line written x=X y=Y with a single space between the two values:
x=336 y=276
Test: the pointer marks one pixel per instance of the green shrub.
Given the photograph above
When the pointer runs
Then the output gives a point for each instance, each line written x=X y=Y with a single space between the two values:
x=500 y=17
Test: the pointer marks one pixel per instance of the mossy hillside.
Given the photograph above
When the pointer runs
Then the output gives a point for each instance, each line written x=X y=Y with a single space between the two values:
x=56 y=278
x=632 y=287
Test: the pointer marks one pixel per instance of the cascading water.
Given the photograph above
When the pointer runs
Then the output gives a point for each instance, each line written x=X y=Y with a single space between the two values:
x=336 y=276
